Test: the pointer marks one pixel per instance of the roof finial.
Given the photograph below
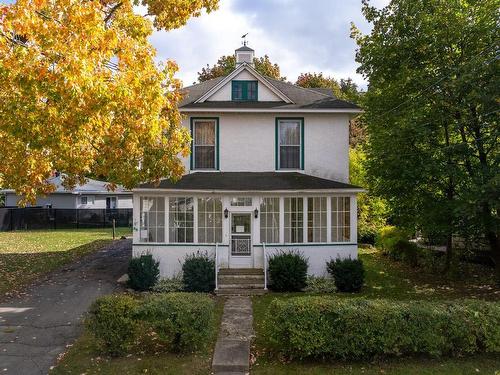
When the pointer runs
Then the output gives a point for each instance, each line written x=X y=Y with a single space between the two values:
x=244 y=37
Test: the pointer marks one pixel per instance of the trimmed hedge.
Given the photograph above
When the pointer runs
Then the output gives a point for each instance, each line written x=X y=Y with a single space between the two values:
x=182 y=321
x=122 y=324
x=113 y=322
x=288 y=271
x=359 y=328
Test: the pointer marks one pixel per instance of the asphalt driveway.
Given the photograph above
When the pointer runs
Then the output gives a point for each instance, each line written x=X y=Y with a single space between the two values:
x=36 y=327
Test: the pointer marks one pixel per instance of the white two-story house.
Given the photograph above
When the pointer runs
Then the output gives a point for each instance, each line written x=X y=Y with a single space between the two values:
x=268 y=171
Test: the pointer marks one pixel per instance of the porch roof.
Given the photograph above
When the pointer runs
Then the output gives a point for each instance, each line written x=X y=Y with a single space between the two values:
x=250 y=181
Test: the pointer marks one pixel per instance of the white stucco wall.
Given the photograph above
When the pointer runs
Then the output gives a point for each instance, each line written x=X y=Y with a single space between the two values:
x=247 y=142
x=172 y=257
x=264 y=94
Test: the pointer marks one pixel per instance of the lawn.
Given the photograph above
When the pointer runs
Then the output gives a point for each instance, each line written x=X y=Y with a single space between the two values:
x=26 y=255
x=392 y=280
x=83 y=358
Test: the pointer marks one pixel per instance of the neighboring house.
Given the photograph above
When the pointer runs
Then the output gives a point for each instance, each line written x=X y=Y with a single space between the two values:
x=269 y=168
x=92 y=194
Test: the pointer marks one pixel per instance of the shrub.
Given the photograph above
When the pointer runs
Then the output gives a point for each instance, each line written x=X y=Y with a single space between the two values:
x=112 y=321
x=349 y=274
x=198 y=273
x=169 y=285
x=182 y=321
x=359 y=328
x=288 y=271
x=143 y=272
x=387 y=238
x=320 y=285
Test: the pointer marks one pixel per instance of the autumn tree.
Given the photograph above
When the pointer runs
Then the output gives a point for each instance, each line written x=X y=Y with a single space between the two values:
x=318 y=80
x=431 y=111
x=80 y=92
x=226 y=64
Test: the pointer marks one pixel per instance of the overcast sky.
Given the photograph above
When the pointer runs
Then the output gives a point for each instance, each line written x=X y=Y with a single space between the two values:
x=300 y=35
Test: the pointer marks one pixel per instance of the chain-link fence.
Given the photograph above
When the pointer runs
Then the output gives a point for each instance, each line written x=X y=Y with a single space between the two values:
x=61 y=218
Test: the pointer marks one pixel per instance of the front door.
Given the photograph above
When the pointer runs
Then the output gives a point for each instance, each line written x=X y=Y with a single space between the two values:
x=241 y=241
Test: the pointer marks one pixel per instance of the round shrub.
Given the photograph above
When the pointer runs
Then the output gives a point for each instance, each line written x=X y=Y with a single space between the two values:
x=387 y=238
x=288 y=271
x=112 y=321
x=198 y=273
x=349 y=274
x=143 y=272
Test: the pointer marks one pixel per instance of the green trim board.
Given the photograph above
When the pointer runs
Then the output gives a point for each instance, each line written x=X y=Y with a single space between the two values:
x=176 y=244
x=306 y=244
x=217 y=158
x=276 y=142
x=244 y=90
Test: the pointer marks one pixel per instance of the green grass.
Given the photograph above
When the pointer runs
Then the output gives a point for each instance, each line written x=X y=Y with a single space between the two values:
x=26 y=255
x=84 y=358
x=392 y=280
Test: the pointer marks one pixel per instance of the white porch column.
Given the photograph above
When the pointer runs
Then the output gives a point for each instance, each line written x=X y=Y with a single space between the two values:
x=354 y=219
x=329 y=219
x=304 y=218
x=282 y=220
x=136 y=222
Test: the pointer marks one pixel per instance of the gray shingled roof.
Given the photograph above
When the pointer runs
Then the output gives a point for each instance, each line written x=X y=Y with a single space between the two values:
x=301 y=97
x=249 y=181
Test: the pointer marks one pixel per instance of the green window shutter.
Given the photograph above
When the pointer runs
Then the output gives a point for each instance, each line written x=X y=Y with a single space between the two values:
x=244 y=90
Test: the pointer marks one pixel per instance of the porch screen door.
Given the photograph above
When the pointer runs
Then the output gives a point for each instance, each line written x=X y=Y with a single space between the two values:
x=241 y=234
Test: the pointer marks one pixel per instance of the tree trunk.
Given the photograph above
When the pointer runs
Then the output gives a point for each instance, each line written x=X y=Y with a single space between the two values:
x=493 y=238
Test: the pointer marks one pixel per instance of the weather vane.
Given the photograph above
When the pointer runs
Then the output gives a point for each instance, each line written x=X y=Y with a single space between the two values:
x=244 y=37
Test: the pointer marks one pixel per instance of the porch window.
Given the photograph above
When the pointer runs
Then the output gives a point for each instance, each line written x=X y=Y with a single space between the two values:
x=341 y=219
x=204 y=143
x=270 y=220
x=294 y=220
x=290 y=143
x=152 y=219
x=111 y=203
x=181 y=220
x=241 y=201
x=209 y=220
x=316 y=219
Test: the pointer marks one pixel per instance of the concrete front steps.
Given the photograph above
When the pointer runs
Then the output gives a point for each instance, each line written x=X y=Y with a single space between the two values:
x=240 y=281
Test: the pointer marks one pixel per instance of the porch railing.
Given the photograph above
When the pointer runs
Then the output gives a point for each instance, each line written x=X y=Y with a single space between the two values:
x=216 y=266
x=265 y=265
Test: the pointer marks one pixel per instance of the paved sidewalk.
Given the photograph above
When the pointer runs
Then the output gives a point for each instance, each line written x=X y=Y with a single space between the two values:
x=35 y=328
x=232 y=351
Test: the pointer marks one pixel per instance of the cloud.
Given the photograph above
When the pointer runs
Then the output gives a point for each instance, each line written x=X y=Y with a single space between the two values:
x=299 y=35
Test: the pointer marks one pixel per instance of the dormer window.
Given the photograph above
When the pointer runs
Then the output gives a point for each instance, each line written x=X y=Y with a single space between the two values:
x=244 y=90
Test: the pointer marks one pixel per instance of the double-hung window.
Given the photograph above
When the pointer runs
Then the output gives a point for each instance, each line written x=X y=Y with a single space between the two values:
x=294 y=220
x=290 y=143
x=209 y=220
x=341 y=219
x=204 y=153
x=270 y=220
x=316 y=219
x=181 y=219
x=152 y=215
x=244 y=90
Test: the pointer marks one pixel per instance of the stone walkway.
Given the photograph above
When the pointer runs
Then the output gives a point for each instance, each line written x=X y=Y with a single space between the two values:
x=36 y=327
x=232 y=351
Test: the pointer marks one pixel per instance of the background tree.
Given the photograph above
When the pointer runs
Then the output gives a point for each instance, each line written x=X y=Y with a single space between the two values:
x=226 y=64
x=80 y=93
x=432 y=115
x=318 y=80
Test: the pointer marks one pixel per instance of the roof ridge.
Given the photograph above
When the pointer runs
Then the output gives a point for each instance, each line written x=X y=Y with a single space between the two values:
x=304 y=88
x=201 y=83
